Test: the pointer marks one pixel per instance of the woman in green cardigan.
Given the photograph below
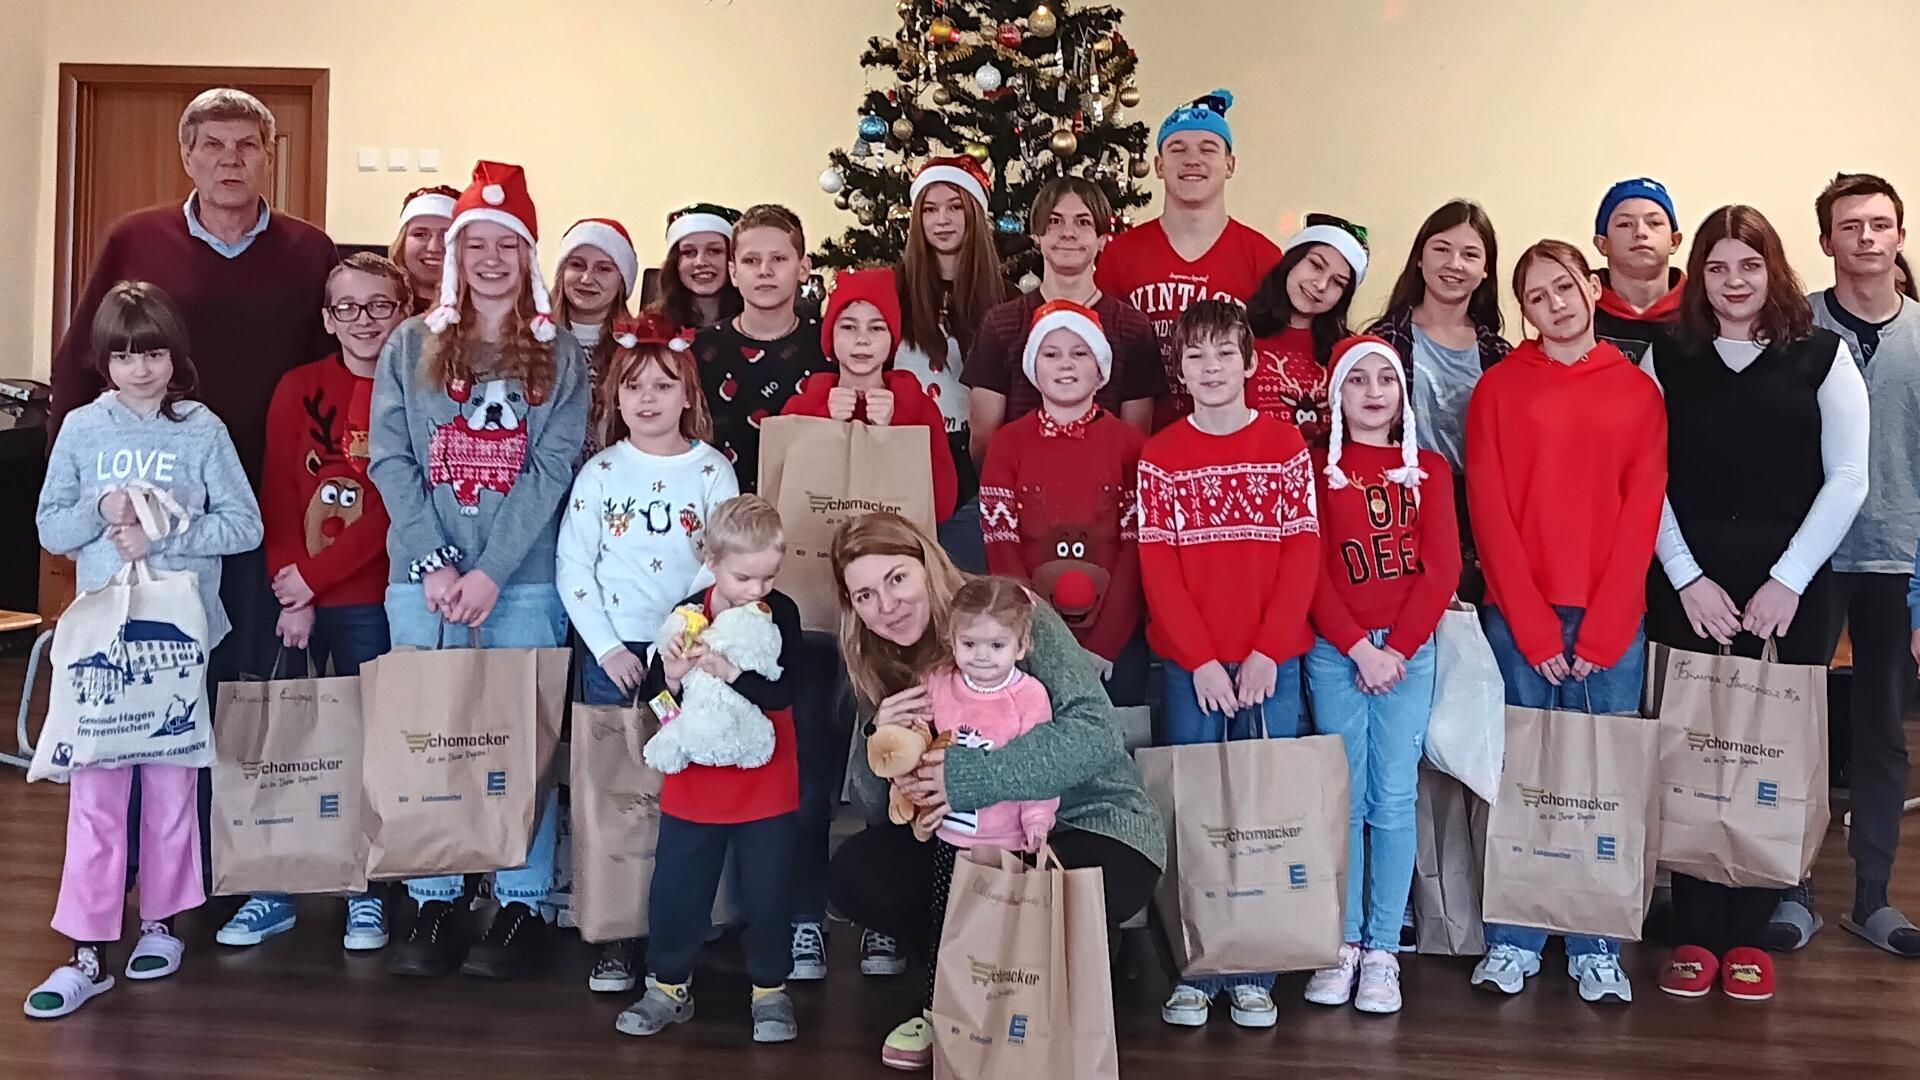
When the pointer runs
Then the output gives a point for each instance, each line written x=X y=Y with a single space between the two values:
x=895 y=585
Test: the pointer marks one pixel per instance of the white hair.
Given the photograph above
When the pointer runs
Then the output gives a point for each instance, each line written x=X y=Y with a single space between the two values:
x=225 y=103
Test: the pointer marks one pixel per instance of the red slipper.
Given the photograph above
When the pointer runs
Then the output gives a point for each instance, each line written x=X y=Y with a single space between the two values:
x=1747 y=974
x=1690 y=972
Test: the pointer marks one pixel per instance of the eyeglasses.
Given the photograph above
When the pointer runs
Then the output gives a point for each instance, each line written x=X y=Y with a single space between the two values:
x=349 y=311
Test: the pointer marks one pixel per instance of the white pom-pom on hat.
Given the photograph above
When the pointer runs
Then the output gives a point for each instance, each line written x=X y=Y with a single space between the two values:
x=1345 y=356
x=493 y=194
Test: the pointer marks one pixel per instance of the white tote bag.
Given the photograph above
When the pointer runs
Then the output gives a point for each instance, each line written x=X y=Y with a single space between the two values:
x=1467 y=735
x=129 y=660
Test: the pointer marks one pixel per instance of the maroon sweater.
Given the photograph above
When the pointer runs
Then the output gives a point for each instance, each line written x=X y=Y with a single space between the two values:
x=249 y=319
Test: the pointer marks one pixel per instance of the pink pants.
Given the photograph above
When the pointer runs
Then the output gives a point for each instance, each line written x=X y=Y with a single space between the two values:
x=93 y=884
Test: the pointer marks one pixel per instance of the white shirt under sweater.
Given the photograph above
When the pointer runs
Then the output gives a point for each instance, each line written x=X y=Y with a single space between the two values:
x=1842 y=398
x=632 y=537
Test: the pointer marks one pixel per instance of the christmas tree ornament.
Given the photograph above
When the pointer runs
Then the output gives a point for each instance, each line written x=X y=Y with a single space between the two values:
x=860 y=150
x=904 y=8
x=942 y=96
x=832 y=181
x=1009 y=35
x=903 y=129
x=1141 y=167
x=1007 y=224
x=1064 y=142
x=1103 y=47
x=841 y=202
x=977 y=151
x=1029 y=281
x=941 y=31
x=872 y=128
x=899 y=212
x=1129 y=97
x=1042 y=23
x=987 y=78
x=869 y=216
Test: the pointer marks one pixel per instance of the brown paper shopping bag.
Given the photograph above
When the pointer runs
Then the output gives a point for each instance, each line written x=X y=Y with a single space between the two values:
x=458 y=744
x=1451 y=826
x=1572 y=839
x=1256 y=871
x=286 y=788
x=1743 y=766
x=1023 y=988
x=819 y=473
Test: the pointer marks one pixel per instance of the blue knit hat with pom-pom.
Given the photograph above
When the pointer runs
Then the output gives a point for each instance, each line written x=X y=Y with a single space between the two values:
x=1205 y=113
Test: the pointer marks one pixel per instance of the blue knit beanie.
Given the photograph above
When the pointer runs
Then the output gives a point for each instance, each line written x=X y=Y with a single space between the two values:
x=1207 y=113
x=1640 y=187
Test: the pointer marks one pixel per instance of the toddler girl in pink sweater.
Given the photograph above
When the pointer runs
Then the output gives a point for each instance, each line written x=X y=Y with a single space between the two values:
x=985 y=701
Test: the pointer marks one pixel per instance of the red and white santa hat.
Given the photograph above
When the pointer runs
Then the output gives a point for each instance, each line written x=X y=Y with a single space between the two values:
x=962 y=172
x=497 y=194
x=1067 y=315
x=436 y=201
x=1345 y=356
x=610 y=237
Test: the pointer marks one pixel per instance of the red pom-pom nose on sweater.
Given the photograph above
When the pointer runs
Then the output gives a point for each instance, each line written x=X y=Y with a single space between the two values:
x=1075 y=591
x=332 y=527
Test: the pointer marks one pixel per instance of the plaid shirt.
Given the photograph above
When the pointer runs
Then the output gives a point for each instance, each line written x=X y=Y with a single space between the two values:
x=995 y=362
x=1397 y=328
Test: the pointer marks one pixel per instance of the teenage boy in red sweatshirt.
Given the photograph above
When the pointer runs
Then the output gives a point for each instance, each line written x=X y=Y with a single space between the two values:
x=1567 y=447
x=1057 y=496
x=1638 y=234
x=1230 y=554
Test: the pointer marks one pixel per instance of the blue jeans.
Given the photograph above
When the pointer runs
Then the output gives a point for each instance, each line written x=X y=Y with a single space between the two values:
x=595 y=687
x=525 y=617
x=1184 y=723
x=961 y=539
x=1383 y=735
x=1614 y=691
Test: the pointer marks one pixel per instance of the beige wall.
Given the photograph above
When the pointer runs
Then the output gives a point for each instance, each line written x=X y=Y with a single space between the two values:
x=1375 y=109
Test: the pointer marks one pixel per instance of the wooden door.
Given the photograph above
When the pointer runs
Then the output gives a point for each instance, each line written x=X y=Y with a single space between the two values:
x=120 y=152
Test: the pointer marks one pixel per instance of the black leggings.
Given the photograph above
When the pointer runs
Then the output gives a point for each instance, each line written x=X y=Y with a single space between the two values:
x=884 y=879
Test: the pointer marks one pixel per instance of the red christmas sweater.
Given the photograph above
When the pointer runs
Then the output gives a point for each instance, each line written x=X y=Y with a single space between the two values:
x=911 y=408
x=1057 y=507
x=1289 y=384
x=1141 y=267
x=730 y=795
x=1229 y=544
x=1569 y=465
x=321 y=512
x=1392 y=557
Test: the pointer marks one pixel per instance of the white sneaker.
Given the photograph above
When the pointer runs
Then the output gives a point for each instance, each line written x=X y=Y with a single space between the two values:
x=1379 y=983
x=880 y=955
x=1188 y=1007
x=1506 y=968
x=1334 y=985
x=1252 y=1006
x=1600 y=977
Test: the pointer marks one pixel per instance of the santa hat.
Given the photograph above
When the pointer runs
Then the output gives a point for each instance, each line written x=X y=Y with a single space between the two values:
x=609 y=236
x=700 y=218
x=1067 y=315
x=497 y=194
x=1340 y=240
x=1345 y=356
x=876 y=287
x=962 y=172
x=651 y=328
x=436 y=201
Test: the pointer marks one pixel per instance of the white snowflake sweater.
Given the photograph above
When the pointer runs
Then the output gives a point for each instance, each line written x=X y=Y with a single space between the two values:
x=631 y=540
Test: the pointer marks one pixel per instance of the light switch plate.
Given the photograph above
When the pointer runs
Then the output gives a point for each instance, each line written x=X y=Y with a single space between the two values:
x=369 y=159
x=429 y=160
x=397 y=159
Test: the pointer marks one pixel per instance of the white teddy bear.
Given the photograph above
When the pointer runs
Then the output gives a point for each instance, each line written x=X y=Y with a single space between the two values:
x=715 y=725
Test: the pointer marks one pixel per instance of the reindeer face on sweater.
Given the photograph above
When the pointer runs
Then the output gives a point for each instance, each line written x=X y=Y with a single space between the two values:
x=1071 y=580
x=337 y=502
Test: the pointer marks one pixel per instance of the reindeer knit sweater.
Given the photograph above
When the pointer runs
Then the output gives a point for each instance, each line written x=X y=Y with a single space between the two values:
x=322 y=513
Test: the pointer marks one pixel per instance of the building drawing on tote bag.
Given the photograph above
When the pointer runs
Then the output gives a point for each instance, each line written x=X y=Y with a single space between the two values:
x=144 y=649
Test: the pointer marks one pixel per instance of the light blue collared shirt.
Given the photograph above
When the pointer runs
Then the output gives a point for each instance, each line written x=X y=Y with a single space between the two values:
x=233 y=250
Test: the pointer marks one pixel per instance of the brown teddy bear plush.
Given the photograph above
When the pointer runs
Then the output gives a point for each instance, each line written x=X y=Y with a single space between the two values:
x=894 y=751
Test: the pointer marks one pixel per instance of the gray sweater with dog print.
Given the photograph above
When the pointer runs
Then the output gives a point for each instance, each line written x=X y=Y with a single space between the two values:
x=480 y=468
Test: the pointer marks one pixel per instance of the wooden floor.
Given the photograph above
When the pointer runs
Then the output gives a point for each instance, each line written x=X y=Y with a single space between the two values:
x=300 y=1007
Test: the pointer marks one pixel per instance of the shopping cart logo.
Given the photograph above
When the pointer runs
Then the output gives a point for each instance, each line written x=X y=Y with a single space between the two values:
x=330 y=805
x=1606 y=848
x=1767 y=794
x=497 y=782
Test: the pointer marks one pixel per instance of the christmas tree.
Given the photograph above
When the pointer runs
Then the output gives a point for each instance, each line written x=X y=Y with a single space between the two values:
x=1030 y=90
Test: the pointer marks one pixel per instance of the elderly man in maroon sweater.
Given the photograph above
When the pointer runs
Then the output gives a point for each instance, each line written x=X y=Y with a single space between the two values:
x=250 y=284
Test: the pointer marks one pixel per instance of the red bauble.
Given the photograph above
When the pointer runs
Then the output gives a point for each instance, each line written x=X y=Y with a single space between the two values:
x=1009 y=35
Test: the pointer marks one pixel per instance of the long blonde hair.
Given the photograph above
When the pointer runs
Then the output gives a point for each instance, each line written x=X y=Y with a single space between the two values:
x=448 y=357
x=878 y=667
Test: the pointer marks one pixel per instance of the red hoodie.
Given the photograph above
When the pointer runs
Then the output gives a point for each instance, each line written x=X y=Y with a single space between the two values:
x=1568 y=465
x=911 y=408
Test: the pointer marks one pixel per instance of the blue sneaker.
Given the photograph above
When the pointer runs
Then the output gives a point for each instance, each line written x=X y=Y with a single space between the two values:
x=258 y=919
x=366 y=923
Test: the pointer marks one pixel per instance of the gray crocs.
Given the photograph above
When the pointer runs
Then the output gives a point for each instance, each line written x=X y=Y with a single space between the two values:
x=1791 y=926
x=1880 y=928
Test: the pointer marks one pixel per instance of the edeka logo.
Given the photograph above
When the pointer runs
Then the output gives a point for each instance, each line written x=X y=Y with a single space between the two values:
x=420 y=742
x=1767 y=793
x=1221 y=836
x=990 y=974
x=497 y=782
x=1296 y=876
x=1700 y=741
x=1606 y=848
x=253 y=770
x=330 y=805
x=827 y=504
x=1533 y=796
x=1017 y=1028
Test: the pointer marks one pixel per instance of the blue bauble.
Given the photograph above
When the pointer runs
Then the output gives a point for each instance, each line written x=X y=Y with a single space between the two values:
x=872 y=128
x=1008 y=224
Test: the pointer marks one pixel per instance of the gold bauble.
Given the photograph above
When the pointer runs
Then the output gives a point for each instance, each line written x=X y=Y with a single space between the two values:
x=1103 y=46
x=899 y=212
x=940 y=31
x=1064 y=143
x=1141 y=168
x=903 y=129
x=942 y=96
x=977 y=151
x=1042 y=23
x=841 y=202
x=1129 y=97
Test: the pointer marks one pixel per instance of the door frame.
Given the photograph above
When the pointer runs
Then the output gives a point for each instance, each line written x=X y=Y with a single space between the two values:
x=76 y=85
